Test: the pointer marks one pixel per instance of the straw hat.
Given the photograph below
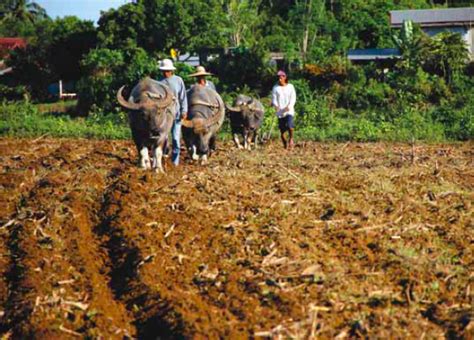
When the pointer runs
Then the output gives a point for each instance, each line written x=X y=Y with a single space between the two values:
x=200 y=71
x=166 y=65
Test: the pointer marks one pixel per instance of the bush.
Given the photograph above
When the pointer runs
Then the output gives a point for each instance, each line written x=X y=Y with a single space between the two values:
x=458 y=123
x=243 y=67
x=13 y=92
x=106 y=71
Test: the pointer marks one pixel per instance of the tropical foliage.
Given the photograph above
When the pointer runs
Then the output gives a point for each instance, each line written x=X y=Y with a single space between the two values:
x=425 y=94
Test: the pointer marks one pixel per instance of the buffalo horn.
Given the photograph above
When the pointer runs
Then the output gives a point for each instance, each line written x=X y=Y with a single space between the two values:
x=126 y=104
x=232 y=108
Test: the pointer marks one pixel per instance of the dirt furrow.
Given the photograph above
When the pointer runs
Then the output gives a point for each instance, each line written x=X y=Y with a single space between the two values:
x=328 y=240
x=153 y=315
x=56 y=264
x=19 y=173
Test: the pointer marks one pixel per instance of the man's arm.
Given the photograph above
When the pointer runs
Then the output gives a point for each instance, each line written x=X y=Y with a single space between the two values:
x=292 y=98
x=183 y=99
x=274 y=99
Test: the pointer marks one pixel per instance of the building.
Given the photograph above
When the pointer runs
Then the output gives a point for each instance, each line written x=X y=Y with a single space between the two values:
x=9 y=44
x=434 y=21
x=385 y=55
x=6 y=46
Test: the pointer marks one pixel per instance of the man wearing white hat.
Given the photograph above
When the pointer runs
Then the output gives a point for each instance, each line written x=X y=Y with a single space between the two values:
x=201 y=80
x=178 y=88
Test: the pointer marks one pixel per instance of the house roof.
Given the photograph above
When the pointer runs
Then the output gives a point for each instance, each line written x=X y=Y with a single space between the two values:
x=373 y=54
x=434 y=17
x=11 y=43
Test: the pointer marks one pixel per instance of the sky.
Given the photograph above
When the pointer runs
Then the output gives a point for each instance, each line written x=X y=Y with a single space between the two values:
x=84 y=9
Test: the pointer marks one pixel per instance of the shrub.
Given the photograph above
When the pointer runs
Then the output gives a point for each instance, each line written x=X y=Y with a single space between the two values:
x=13 y=92
x=106 y=71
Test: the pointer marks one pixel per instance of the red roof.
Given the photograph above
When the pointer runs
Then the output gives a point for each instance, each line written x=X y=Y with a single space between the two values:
x=11 y=43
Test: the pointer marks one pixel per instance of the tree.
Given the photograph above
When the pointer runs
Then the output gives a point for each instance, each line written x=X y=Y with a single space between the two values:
x=410 y=45
x=23 y=10
x=54 y=54
x=183 y=25
x=21 y=18
x=307 y=16
x=123 y=27
x=448 y=55
x=72 y=38
x=243 y=19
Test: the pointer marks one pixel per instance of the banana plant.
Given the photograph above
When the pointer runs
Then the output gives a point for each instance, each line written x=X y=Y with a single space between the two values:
x=408 y=43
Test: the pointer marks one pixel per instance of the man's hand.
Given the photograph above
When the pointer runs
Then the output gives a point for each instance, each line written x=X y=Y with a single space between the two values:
x=184 y=115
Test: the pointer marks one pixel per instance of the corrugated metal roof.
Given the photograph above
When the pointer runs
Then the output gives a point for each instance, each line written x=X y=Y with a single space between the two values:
x=373 y=54
x=434 y=17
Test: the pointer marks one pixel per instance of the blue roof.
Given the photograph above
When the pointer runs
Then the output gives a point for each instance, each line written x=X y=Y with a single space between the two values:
x=373 y=53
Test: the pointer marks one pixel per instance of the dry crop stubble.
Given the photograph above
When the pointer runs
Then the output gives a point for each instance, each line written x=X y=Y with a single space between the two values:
x=330 y=240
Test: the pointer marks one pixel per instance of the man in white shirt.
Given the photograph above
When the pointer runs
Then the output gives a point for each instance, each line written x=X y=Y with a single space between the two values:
x=283 y=100
x=178 y=88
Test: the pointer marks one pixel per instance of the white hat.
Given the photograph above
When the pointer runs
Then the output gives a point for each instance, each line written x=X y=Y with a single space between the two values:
x=166 y=65
x=200 y=71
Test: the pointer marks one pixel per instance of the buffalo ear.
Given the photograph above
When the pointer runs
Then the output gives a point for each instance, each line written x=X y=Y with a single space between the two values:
x=259 y=113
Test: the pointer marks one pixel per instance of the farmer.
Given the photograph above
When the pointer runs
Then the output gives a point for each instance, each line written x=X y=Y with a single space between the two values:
x=201 y=80
x=176 y=85
x=283 y=100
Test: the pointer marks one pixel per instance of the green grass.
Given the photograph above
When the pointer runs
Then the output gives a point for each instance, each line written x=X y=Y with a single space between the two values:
x=23 y=119
x=26 y=120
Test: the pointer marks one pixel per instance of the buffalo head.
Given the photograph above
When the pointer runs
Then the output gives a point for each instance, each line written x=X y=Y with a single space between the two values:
x=148 y=107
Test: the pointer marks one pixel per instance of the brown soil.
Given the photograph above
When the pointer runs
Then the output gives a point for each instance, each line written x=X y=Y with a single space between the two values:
x=328 y=240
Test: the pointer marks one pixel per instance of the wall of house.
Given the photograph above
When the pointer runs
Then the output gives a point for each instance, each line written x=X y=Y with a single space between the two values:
x=471 y=39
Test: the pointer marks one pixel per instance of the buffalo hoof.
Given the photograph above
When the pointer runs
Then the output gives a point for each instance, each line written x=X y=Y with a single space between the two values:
x=145 y=166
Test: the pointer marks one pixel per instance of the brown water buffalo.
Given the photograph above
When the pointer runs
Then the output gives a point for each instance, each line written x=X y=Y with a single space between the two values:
x=151 y=115
x=205 y=117
x=246 y=117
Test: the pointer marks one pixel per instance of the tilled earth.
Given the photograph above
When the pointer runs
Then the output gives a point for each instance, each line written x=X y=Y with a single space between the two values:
x=329 y=240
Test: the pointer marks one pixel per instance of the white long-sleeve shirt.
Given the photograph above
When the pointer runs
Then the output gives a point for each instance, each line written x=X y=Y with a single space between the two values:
x=284 y=97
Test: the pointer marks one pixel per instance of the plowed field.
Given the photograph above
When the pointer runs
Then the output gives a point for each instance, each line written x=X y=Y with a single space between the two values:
x=328 y=240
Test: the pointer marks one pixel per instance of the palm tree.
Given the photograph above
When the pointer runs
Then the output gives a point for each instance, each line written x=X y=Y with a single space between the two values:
x=410 y=45
x=22 y=10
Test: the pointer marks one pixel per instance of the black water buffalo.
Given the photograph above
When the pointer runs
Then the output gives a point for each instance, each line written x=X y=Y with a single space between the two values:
x=151 y=115
x=246 y=117
x=205 y=117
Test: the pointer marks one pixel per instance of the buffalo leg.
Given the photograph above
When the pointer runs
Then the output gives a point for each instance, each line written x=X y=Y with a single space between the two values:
x=144 y=158
x=255 y=139
x=157 y=158
x=194 y=155
x=212 y=145
x=248 y=141
x=236 y=141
